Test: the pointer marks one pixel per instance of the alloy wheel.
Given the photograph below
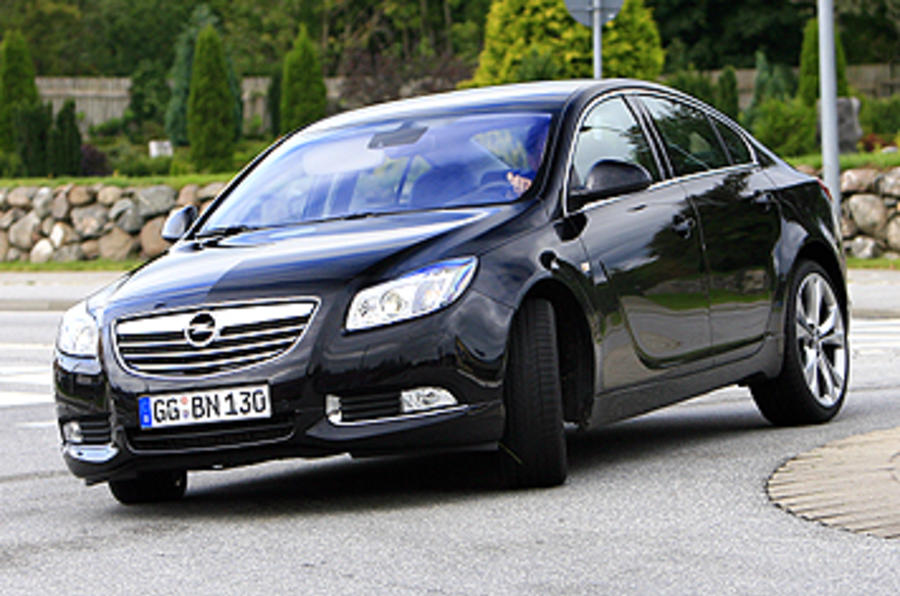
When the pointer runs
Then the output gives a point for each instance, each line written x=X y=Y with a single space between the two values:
x=821 y=340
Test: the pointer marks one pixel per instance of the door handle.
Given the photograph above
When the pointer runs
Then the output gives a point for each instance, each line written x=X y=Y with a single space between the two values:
x=683 y=226
x=763 y=198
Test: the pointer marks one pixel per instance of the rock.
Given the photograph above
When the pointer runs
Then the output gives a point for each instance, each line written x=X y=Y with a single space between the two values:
x=14 y=254
x=41 y=252
x=24 y=232
x=94 y=189
x=869 y=213
x=893 y=233
x=78 y=196
x=90 y=249
x=863 y=247
x=116 y=245
x=4 y=245
x=152 y=243
x=155 y=200
x=68 y=253
x=889 y=183
x=125 y=214
x=61 y=234
x=10 y=217
x=849 y=228
x=21 y=197
x=47 y=225
x=859 y=180
x=89 y=221
x=210 y=191
x=42 y=200
x=187 y=195
x=849 y=131
x=808 y=170
x=59 y=208
x=109 y=195
x=891 y=255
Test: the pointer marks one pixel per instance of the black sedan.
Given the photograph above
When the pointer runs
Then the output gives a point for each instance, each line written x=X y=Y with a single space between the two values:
x=476 y=268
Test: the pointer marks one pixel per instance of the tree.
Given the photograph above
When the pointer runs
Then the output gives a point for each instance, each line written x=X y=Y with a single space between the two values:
x=176 y=111
x=64 y=150
x=273 y=102
x=210 y=113
x=17 y=87
x=516 y=27
x=631 y=44
x=149 y=92
x=303 y=92
x=808 y=87
x=31 y=130
x=727 y=92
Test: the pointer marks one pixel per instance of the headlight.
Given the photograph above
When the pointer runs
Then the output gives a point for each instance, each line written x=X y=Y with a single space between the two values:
x=77 y=334
x=413 y=295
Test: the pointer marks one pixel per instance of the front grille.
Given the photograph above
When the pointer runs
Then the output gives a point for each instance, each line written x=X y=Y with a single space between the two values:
x=370 y=407
x=236 y=434
x=211 y=340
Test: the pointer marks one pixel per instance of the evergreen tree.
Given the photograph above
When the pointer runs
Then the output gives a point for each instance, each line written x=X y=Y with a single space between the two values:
x=727 y=92
x=176 y=111
x=303 y=92
x=31 y=131
x=808 y=90
x=149 y=92
x=273 y=102
x=64 y=150
x=210 y=109
x=17 y=87
x=631 y=44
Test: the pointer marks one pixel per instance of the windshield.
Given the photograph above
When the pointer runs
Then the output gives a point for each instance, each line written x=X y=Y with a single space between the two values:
x=428 y=163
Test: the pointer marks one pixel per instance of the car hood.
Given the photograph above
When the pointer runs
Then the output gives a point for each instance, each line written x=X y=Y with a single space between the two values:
x=297 y=260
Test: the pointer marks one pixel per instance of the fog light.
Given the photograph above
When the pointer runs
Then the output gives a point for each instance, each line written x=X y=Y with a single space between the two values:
x=71 y=431
x=425 y=398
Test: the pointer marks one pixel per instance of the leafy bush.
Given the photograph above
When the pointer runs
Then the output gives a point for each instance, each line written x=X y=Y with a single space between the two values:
x=17 y=87
x=694 y=82
x=303 y=91
x=808 y=88
x=538 y=66
x=631 y=44
x=64 y=150
x=94 y=162
x=881 y=116
x=787 y=127
x=32 y=129
x=727 y=93
x=146 y=166
x=111 y=128
x=10 y=164
x=210 y=112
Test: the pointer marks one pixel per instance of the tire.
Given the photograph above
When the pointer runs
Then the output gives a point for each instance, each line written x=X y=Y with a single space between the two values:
x=533 y=448
x=150 y=487
x=813 y=381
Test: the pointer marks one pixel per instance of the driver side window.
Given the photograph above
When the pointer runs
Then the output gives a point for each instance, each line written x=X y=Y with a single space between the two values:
x=610 y=131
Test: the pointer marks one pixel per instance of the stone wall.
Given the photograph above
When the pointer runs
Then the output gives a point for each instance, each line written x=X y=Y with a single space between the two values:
x=72 y=223
x=870 y=212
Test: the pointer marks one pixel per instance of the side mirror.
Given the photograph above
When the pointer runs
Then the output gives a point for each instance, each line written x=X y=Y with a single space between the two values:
x=608 y=178
x=178 y=223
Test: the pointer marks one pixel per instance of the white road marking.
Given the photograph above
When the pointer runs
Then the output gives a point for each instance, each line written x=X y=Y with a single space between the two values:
x=37 y=425
x=13 y=398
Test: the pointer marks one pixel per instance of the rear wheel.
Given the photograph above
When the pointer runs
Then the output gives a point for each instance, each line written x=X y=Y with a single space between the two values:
x=533 y=449
x=813 y=379
x=150 y=487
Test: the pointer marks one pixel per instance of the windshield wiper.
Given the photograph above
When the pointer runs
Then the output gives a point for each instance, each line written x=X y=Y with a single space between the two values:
x=224 y=232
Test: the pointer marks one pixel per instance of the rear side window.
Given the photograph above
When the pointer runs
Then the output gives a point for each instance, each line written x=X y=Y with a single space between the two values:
x=610 y=131
x=735 y=144
x=689 y=137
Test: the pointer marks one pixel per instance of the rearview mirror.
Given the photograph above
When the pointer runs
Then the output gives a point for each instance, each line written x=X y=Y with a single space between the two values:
x=608 y=178
x=178 y=223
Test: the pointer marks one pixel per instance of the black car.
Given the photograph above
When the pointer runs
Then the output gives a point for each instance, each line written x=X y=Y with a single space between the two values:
x=476 y=268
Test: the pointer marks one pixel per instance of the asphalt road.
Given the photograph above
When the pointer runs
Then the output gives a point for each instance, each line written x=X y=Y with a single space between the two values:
x=669 y=503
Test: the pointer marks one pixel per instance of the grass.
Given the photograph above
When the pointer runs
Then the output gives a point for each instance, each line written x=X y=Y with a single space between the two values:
x=95 y=265
x=120 y=181
x=882 y=161
x=879 y=263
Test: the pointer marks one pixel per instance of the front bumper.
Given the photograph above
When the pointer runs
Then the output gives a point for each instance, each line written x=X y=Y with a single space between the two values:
x=461 y=349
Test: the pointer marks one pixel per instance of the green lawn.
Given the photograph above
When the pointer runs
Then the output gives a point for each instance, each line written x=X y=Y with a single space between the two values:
x=95 y=265
x=121 y=181
x=849 y=161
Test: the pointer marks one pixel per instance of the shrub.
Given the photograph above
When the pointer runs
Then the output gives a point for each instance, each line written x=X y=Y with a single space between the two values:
x=787 y=127
x=727 y=93
x=631 y=44
x=210 y=105
x=273 y=103
x=32 y=129
x=881 y=115
x=808 y=88
x=111 y=128
x=17 y=87
x=149 y=93
x=694 y=82
x=538 y=66
x=10 y=164
x=303 y=91
x=146 y=166
x=94 y=162
x=64 y=150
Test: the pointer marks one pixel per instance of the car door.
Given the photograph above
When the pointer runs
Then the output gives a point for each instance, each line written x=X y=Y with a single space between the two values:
x=646 y=246
x=739 y=218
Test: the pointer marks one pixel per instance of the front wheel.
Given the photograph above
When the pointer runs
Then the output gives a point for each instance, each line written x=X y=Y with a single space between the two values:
x=533 y=449
x=813 y=380
x=150 y=487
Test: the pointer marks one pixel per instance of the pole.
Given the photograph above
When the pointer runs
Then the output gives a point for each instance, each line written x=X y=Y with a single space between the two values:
x=828 y=101
x=597 y=14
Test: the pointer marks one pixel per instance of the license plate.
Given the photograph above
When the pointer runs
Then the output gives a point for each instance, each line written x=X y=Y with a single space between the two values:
x=203 y=407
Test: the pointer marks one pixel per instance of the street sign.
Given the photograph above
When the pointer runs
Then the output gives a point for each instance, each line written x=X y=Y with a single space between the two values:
x=581 y=10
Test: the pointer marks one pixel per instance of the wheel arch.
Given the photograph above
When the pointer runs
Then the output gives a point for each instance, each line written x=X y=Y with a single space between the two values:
x=577 y=367
x=819 y=252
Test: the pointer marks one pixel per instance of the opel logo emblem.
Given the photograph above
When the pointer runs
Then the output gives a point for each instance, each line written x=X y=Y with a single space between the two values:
x=201 y=331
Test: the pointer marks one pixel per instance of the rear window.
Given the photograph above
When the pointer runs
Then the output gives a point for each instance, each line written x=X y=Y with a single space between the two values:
x=691 y=142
